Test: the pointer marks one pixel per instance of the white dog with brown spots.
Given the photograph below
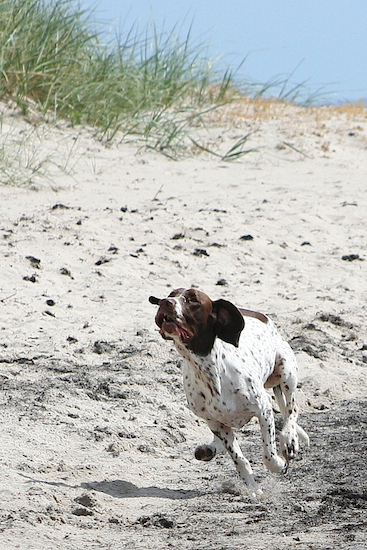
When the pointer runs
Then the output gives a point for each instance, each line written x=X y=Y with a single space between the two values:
x=231 y=356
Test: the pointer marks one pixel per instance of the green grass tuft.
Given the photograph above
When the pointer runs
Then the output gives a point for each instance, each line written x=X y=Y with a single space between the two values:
x=147 y=85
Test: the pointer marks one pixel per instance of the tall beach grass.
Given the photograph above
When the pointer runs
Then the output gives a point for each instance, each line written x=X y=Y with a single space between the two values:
x=149 y=86
x=146 y=84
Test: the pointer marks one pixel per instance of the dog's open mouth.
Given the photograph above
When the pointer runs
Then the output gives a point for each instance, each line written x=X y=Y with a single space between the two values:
x=169 y=328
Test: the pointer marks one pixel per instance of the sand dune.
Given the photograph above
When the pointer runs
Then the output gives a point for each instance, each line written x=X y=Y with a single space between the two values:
x=97 y=443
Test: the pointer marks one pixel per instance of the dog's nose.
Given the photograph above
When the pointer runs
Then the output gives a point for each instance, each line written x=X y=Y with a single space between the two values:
x=167 y=306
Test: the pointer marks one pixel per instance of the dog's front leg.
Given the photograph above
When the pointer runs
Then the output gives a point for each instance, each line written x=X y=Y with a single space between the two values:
x=228 y=439
x=275 y=463
x=209 y=451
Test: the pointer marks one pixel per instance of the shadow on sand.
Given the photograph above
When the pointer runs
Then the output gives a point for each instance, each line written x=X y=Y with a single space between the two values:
x=125 y=489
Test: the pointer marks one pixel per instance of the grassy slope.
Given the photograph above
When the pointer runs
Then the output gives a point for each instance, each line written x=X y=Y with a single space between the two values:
x=153 y=88
x=147 y=84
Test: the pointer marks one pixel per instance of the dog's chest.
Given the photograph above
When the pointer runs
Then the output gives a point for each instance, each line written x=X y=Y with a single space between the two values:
x=225 y=385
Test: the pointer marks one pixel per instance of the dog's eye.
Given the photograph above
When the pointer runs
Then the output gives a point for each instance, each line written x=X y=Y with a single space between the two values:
x=191 y=299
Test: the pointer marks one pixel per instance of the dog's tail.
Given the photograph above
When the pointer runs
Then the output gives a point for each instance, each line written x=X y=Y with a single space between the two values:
x=279 y=396
x=302 y=435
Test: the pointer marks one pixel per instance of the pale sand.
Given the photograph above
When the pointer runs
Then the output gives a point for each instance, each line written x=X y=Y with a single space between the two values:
x=111 y=228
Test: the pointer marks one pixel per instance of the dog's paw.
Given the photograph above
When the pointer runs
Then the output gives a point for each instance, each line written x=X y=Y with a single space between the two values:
x=289 y=445
x=276 y=464
x=205 y=453
x=256 y=493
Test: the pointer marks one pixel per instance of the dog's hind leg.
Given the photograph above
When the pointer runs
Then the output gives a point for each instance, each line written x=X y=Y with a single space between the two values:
x=282 y=407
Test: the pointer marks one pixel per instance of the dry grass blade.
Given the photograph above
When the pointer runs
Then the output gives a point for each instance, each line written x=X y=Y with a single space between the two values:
x=237 y=150
x=295 y=149
x=234 y=153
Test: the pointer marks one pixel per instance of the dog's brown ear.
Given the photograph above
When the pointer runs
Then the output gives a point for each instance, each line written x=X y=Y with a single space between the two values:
x=155 y=301
x=229 y=321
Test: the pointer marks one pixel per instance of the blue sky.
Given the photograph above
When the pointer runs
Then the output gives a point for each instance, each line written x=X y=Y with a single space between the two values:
x=324 y=40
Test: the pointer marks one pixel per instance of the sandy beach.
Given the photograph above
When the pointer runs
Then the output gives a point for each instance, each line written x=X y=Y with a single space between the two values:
x=97 y=441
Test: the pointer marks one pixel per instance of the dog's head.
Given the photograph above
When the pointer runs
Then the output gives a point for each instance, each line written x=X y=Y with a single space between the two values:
x=191 y=318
